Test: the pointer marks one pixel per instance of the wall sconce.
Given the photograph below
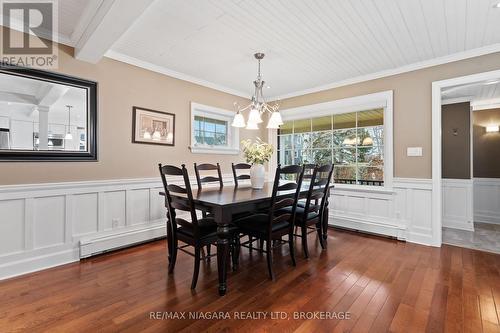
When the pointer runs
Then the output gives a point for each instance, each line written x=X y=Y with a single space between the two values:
x=492 y=128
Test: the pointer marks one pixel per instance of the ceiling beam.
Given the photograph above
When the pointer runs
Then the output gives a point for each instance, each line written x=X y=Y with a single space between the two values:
x=110 y=22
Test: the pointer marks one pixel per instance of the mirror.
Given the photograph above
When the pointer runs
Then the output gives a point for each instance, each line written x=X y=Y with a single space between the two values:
x=46 y=116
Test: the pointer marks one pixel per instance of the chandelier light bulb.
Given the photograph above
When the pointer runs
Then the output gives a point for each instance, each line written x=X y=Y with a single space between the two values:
x=252 y=126
x=275 y=121
x=254 y=116
x=238 y=121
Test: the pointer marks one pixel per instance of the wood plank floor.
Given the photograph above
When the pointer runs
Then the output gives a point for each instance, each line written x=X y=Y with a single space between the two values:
x=383 y=285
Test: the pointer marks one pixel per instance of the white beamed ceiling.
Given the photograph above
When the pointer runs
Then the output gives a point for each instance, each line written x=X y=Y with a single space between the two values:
x=310 y=45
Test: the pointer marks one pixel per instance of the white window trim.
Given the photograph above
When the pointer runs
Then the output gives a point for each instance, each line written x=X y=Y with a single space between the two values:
x=382 y=99
x=233 y=134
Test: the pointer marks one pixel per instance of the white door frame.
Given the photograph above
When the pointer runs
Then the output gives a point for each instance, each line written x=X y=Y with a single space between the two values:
x=437 y=86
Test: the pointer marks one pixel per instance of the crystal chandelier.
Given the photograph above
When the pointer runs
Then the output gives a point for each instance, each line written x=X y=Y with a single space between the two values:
x=258 y=107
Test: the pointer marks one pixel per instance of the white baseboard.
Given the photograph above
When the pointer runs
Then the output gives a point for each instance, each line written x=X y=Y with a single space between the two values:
x=37 y=263
x=486 y=218
x=457 y=224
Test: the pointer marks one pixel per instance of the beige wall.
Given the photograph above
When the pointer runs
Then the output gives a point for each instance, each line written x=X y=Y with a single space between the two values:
x=122 y=86
x=412 y=107
x=455 y=133
x=486 y=145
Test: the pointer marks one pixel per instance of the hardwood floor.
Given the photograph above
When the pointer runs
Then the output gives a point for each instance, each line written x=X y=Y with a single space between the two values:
x=383 y=285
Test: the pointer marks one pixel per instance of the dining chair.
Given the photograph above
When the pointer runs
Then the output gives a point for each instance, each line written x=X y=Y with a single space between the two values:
x=237 y=178
x=197 y=233
x=311 y=215
x=208 y=179
x=308 y=172
x=240 y=166
x=276 y=222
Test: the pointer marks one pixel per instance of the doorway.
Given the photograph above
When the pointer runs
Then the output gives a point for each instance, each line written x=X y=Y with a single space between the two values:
x=466 y=163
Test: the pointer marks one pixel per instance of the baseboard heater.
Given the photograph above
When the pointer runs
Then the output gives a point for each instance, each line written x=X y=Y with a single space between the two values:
x=98 y=244
x=331 y=226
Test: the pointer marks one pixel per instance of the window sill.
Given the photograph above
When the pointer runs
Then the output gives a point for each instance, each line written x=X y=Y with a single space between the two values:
x=364 y=188
x=214 y=150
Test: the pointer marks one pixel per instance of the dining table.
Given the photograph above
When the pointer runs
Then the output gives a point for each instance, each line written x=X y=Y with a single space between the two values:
x=228 y=201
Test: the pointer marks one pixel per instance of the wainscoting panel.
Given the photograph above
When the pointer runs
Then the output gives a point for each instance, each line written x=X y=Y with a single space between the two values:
x=85 y=214
x=12 y=225
x=457 y=204
x=403 y=212
x=487 y=200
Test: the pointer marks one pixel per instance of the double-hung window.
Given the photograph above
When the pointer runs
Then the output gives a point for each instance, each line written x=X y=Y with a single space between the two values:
x=355 y=141
x=211 y=130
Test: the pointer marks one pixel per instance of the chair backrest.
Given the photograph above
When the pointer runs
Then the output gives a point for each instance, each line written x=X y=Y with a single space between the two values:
x=308 y=170
x=207 y=179
x=318 y=189
x=294 y=174
x=240 y=166
x=174 y=203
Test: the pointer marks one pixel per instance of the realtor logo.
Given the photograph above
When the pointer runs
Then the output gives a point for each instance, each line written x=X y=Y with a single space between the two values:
x=29 y=34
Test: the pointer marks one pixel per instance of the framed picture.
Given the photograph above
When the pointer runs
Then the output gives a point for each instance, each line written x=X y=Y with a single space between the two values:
x=153 y=127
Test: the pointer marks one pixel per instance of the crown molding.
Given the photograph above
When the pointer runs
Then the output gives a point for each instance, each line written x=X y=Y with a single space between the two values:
x=165 y=71
x=494 y=48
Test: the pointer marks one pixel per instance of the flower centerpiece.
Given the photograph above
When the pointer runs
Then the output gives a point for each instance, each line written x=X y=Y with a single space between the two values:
x=257 y=153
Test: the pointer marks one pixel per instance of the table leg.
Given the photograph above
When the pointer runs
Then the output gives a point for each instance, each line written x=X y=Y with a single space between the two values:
x=222 y=248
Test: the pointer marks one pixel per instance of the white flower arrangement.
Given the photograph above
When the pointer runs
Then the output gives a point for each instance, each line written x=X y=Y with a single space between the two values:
x=257 y=152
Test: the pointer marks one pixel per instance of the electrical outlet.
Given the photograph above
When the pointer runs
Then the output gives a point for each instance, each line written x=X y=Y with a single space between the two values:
x=115 y=223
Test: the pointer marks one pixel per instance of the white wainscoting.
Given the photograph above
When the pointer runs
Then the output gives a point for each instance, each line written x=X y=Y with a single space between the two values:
x=403 y=212
x=457 y=204
x=487 y=200
x=45 y=225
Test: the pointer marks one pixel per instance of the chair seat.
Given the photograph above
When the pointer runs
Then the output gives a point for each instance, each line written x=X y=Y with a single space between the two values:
x=206 y=226
x=299 y=213
x=259 y=223
x=312 y=207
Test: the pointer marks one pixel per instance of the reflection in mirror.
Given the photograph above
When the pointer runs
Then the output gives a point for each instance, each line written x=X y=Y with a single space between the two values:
x=38 y=115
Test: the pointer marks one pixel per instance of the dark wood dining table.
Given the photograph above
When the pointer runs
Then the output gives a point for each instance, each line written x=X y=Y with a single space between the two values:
x=228 y=201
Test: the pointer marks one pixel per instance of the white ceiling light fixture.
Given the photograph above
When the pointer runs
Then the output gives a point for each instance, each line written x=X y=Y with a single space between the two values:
x=68 y=135
x=496 y=5
x=492 y=128
x=258 y=107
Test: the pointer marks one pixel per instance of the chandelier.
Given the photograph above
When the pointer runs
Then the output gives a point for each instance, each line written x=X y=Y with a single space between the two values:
x=258 y=107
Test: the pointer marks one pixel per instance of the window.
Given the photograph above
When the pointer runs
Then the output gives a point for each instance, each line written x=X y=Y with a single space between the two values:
x=354 y=133
x=211 y=130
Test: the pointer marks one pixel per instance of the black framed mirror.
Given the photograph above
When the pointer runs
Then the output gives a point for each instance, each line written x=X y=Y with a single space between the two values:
x=46 y=116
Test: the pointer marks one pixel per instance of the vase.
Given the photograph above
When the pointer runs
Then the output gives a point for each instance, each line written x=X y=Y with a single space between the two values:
x=257 y=176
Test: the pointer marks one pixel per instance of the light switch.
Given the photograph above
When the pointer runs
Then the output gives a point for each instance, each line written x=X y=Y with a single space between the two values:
x=414 y=151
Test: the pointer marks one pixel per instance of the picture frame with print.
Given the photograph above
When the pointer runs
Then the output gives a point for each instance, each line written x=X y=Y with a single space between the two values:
x=153 y=127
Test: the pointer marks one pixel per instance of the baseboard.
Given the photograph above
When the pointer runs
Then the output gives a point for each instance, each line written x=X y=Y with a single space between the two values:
x=461 y=225
x=421 y=238
x=97 y=244
x=37 y=263
x=487 y=218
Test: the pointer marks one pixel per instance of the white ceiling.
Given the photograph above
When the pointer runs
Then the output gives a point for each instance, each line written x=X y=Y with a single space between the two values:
x=479 y=93
x=309 y=45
